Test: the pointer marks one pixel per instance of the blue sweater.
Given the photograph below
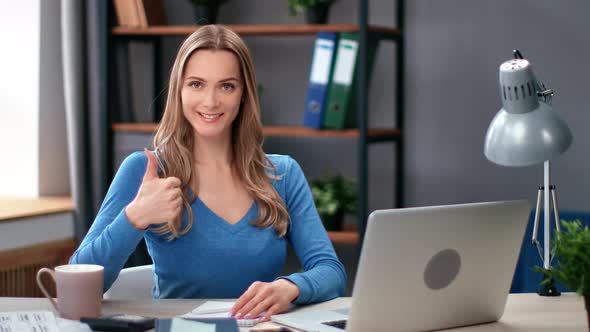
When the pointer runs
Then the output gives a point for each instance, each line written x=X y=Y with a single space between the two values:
x=216 y=259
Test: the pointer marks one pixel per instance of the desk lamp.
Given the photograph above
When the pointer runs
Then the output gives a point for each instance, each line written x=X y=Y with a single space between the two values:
x=527 y=132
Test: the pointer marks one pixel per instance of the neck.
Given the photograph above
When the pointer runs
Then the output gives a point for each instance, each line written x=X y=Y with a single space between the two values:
x=216 y=152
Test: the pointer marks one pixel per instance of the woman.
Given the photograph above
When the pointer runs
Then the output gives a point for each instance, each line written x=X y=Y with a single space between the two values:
x=215 y=210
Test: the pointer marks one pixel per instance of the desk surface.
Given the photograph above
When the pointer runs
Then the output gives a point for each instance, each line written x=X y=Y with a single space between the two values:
x=524 y=312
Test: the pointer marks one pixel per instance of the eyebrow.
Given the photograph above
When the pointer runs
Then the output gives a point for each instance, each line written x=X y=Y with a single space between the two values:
x=202 y=79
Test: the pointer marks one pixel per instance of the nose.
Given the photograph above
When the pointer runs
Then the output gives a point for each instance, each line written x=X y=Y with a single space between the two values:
x=210 y=99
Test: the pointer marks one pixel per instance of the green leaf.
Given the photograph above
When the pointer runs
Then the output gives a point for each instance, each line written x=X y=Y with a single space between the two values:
x=334 y=194
x=297 y=6
x=571 y=248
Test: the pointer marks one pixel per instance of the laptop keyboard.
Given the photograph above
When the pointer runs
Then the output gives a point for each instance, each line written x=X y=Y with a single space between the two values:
x=339 y=324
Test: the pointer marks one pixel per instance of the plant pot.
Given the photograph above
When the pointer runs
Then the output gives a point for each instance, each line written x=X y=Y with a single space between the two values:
x=333 y=222
x=317 y=15
x=205 y=14
x=587 y=305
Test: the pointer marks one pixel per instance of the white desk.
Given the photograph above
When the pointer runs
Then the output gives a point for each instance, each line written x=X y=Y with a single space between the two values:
x=524 y=312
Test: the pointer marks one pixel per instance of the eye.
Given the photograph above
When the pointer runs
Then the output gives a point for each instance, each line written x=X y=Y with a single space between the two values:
x=195 y=84
x=228 y=87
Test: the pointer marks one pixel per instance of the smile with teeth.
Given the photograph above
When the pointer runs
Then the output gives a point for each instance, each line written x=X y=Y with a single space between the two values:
x=210 y=116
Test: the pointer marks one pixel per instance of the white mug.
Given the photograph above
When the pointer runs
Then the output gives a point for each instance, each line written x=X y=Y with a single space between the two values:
x=79 y=289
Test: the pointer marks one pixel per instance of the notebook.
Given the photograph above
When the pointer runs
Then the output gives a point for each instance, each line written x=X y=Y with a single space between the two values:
x=196 y=325
x=429 y=268
x=218 y=309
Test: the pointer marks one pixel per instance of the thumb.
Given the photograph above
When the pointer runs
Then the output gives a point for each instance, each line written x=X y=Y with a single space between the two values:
x=151 y=171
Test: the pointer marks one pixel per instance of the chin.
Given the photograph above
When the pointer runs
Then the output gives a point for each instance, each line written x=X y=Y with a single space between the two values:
x=211 y=132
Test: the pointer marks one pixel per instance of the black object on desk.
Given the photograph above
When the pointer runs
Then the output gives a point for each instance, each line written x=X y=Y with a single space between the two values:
x=120 y=323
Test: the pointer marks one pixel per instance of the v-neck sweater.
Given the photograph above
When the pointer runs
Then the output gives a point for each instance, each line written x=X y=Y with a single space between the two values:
x=216 y=259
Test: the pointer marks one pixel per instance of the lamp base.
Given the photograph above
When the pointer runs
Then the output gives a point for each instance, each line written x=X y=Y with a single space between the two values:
x=548 y=287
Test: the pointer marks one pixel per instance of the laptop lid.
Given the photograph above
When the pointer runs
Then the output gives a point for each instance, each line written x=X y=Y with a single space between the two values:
x=437 y=267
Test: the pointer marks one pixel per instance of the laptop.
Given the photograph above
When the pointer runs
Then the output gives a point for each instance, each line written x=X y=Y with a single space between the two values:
x=429 y=268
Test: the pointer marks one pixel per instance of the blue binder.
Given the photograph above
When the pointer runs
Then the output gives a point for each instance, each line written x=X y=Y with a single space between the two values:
x=319 y=79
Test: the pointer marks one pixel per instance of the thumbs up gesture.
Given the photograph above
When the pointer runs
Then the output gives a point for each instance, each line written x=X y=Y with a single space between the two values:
x=157 y=201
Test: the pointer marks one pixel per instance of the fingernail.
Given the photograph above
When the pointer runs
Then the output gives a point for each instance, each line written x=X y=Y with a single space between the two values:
x=248 y=316
x=238 y=315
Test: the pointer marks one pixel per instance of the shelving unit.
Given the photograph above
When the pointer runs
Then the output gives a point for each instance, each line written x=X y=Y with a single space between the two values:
x=374 y=134
x=363 y=134
x=255 y=30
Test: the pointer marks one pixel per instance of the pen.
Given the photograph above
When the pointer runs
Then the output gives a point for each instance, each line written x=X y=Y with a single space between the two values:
x=273 y=329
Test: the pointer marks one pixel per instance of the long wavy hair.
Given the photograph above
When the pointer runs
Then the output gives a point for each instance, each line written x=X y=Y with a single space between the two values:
x=174 y=138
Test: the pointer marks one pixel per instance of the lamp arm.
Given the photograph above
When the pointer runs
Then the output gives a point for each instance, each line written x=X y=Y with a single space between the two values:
x=547 y=217
x=555 y=208
x=549 y=197
x=536 y=221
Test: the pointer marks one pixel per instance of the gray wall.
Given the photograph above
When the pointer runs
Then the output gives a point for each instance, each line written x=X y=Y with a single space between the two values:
x=453 y=51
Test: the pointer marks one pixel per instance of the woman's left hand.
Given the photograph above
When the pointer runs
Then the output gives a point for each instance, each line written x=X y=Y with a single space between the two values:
x=270 y=298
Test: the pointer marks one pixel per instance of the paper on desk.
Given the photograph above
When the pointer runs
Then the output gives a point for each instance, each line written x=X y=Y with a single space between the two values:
x=66 y=325
x=219 y=309
x=183 y=325
x=28 y=321
x=38 y=321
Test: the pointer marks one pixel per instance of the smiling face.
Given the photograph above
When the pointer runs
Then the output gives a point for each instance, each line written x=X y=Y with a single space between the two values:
x=211 y=92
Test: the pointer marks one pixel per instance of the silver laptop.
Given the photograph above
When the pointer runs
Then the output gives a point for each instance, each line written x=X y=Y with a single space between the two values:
x=429 y=268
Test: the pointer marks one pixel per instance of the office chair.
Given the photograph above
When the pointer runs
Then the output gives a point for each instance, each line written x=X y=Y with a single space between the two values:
x=132 y=283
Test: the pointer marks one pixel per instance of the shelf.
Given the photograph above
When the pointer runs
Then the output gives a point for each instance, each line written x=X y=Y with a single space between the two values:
x=21 y=207
x=349 y=235
x=344 y=237
x=375 y=134
x=244 y=30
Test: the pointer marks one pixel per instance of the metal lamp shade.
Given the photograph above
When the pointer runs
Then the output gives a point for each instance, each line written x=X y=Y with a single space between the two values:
x=525 y=131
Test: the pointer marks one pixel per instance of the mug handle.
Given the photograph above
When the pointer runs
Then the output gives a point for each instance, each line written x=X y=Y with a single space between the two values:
x=40 y=284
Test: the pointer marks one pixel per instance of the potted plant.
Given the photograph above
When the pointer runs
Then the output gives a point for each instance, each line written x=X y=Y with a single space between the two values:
x=316 y=11
x=572 y=252
x=334 y=195
x=206 y=10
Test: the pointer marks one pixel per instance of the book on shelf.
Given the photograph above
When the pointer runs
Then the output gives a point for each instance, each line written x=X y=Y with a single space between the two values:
x=127 y=13
x=319 y=79
x=150 y=13
x=340 y=111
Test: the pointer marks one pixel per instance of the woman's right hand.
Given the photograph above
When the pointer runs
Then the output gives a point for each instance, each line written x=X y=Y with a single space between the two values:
x=157 y=201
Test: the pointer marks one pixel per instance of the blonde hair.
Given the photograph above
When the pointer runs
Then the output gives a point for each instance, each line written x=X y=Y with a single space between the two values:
x=174 y=138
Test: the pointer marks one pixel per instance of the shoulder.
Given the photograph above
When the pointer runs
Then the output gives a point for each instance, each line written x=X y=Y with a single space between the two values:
x=287 y=170
x=285 y=166
x=130 y=173
x=281 y=162
x=136 y=160
x=133 y=165
x=291 y=183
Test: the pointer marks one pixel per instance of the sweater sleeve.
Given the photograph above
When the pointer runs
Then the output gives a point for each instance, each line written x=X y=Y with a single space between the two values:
x=324 y=277
x=111 y=238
